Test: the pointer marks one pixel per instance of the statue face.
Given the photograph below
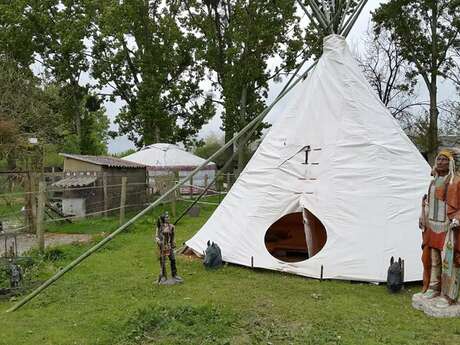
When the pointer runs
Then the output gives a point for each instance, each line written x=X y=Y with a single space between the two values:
x=442 y=164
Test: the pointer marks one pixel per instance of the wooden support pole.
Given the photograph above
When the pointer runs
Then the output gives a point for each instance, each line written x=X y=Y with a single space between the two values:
x=41 y=198
x=123 y=199
x=106 y=194
x=191 y=188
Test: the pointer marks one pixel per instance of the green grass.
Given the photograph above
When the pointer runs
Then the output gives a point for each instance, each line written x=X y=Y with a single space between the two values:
x=111 y=298
x=11 y=209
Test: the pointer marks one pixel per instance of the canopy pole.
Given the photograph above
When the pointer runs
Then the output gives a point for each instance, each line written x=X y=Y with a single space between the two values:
x=102 y=243
x=345 y=29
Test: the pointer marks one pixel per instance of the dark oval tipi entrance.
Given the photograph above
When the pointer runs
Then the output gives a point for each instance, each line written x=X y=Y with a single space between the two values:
x=295 y=237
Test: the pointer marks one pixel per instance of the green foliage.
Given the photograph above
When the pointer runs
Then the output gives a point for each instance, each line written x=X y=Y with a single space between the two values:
x=124 y=153
x=25 y=112
x=16 y=33
x=210 y=145
x=425 y=32
x=57 y=33
x=140 y=50
x=237 y=39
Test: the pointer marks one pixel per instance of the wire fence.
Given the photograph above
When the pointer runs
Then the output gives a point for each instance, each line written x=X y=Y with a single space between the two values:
x=26 y=204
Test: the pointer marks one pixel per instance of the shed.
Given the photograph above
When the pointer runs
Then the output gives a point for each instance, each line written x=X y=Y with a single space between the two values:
x=163 y=159
x=92 y=184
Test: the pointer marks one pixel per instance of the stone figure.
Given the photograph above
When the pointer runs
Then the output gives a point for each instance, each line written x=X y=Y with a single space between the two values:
x=395 y=276
x=212 y=256
x=15 y=273
x=164 y=237
x=441 y=234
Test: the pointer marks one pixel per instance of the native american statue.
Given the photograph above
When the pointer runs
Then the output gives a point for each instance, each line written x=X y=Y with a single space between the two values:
x=164 y=238
x=441 y=232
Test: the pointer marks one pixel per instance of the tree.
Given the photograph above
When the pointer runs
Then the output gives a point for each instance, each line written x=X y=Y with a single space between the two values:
x=237 y=39
x=16 y=33
x=209 y=146
x=62 y=32
x=55 y=34
x=24 y=112
x=388 y=73
x=142 y=53
x=424 y=32
x=24 y=105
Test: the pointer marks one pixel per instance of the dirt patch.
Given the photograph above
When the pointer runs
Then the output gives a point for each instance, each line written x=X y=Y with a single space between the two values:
x=26 y=242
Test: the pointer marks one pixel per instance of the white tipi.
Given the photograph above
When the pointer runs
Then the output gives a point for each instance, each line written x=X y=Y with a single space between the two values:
x=335 y=188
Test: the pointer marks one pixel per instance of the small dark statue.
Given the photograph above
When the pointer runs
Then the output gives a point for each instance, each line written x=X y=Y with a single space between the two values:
x=213 y=256
x=164 y=237
x=15 y=274
x=395 y=278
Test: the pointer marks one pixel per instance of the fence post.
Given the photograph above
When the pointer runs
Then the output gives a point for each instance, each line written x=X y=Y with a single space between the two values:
x=41 y=216
x=228 y=182
x=191 y=188
x=123 y=199
x=31 y=206
x=106 y=194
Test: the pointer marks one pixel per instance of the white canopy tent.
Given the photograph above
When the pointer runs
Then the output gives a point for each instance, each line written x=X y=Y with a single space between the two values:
x=336 y=176
x=162 y=159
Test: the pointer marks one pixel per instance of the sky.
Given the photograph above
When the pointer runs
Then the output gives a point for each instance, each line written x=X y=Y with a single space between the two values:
x=354 y=39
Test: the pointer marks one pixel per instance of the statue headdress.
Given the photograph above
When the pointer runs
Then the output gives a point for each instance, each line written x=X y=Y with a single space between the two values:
x=450 y=155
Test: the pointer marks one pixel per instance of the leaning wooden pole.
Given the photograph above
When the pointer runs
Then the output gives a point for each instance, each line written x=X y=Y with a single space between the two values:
x=203 y=192
x=102 y=243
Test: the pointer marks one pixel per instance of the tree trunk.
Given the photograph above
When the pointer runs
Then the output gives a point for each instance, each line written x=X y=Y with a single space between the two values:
x=229 y=151
x=157 y=134
x=432 y=135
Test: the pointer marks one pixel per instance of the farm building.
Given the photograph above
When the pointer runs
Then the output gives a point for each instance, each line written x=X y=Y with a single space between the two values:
x=163 y=159
x=92 y=184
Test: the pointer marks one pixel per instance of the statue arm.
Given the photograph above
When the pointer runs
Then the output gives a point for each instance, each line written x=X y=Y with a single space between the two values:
x=157 y=236
x=422 y=218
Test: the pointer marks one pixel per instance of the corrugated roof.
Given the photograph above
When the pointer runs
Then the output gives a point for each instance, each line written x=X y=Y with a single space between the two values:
x=107 y=161
x=75 y=181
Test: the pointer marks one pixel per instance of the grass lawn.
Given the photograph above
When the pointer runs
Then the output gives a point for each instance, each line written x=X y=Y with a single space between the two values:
x=112 y=299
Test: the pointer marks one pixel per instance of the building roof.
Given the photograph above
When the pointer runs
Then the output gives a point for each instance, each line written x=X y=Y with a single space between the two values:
x=166 y=156
x=106 y=161
x=75 y=181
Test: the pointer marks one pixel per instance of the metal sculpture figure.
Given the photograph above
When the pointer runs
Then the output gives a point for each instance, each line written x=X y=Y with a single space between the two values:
x=15 y=274
x=164 y=238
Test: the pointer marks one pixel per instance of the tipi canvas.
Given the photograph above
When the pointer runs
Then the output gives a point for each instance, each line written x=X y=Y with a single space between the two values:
x=333 y=191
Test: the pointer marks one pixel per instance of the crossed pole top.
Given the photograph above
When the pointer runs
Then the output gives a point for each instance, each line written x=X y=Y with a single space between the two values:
x=333 y=16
